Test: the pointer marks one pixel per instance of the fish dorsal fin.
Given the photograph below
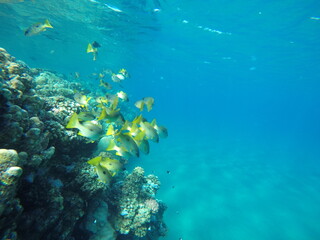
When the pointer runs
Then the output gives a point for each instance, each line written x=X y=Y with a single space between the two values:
x=103 y=113
x=73 y=122
x=137 y=119
x=154 y=123
x=111 y=130
x=47 y=24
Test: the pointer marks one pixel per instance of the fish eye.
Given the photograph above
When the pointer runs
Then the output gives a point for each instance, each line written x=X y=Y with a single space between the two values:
x=104 y=172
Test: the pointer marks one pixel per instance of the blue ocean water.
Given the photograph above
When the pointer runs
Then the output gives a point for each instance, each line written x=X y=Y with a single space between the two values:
x=235 y=82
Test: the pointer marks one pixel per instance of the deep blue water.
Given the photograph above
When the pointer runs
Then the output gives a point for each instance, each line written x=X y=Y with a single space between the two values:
x=237 y=85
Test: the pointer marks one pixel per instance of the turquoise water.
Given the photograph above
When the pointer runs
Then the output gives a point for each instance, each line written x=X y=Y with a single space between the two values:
x=235 y=82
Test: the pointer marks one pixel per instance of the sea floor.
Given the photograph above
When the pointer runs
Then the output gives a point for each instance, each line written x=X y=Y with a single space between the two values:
x=236 y=191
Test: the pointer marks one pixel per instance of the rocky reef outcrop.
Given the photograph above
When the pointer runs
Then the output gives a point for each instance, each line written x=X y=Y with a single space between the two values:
x=48 y=191
x=136 y=212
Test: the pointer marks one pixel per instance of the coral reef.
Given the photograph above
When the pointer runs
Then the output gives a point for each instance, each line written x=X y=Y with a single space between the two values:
x=136 y=212
x=10 y=208
x=47 y=186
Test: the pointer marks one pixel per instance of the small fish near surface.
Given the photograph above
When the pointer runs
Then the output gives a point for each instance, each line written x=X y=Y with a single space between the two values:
x=37 y=28
x=93 y=48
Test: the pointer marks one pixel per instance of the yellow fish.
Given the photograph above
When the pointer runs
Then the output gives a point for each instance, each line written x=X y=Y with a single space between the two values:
x=149 y=131
x=113 y=165
x=37 y=28
x=105 y=84
x=103 y=173
x=112 y=99
x=122 y=95
x=120 y=151
x=146 y=101
x=86 y=116
x=117 y=77
x=111 y=131
x=89 y=129
x=139 y=104
x=138 y=119
x=124 y=72
x=162 y=131
x=149 y=101
x=144 y=146
x=82 y=100
x=94 y=51
x=111 y=115
x=129 y=144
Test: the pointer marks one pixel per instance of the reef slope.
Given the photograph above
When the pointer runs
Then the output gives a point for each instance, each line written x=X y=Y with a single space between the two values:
x=48 y=191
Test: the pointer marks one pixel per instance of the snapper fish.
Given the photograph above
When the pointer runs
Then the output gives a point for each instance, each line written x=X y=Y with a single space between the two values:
x=144 y=146
x=37 y=28
x=120 y=150
x=117 y=77
x=88 y=129
x=150 y=132
x=86 y=116
x=161 y=130
x=93 y=50
x=124 y=72
x=105 y=84
x=122 y=95
x=139 y=104
x=105 y=167
x=146 y=101
x=111 y=115
x=83 y=100
x=129 y=144
x=120 y=76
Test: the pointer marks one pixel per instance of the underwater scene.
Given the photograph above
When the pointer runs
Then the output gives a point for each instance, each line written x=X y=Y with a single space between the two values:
x=159 y=119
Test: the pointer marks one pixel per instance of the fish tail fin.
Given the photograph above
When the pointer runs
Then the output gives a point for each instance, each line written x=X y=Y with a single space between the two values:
x=103 y=113
x=47 y=24
x=110 y=130
x=73 y=122
x=90 y=48
x=95 y=161
x=111 y=146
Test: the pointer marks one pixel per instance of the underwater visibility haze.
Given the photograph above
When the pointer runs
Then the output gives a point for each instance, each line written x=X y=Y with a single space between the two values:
x=234 y=88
